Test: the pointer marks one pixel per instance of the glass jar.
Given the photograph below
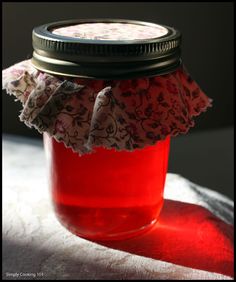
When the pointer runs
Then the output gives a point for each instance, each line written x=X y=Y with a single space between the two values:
x=107 y=194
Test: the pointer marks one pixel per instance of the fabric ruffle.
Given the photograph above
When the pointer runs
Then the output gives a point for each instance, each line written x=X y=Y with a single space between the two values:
x=120 y=114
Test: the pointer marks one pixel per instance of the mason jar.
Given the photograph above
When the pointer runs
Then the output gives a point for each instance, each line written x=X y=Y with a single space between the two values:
x=107 y=193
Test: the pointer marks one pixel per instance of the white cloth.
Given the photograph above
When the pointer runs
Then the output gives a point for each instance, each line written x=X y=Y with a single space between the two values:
x=36 y=246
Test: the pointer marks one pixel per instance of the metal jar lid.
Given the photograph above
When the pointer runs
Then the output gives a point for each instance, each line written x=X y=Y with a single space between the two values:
x=105 y=59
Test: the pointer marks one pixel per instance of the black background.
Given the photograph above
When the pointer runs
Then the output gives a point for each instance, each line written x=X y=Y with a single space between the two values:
x=207 y=52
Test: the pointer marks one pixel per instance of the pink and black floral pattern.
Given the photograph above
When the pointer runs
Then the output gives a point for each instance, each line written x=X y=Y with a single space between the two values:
x=120 y=114
x=111 y=31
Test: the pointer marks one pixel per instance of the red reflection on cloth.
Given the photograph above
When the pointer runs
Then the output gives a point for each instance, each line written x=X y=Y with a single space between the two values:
x=187 y=235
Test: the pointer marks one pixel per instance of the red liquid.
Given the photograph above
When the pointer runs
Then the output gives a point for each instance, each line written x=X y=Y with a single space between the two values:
x=107 y=194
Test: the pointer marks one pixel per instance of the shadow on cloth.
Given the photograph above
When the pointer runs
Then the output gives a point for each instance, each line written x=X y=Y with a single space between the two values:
x=187 y=235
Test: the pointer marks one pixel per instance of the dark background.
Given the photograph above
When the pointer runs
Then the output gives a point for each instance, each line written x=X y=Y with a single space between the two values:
x=205 y=155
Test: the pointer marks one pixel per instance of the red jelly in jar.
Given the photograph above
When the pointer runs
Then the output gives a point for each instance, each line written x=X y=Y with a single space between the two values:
x=108 y=194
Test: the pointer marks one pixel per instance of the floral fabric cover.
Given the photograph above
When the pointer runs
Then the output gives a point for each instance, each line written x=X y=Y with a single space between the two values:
x=121 y=114
x=111 y=31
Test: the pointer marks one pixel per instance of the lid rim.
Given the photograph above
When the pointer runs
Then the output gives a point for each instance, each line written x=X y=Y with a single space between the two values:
x=105 y=70
x=47 y=35
x=151 y=73
x=45 y=28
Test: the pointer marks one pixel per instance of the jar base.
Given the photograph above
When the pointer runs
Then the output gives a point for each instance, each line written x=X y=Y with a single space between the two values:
x=108 y=224
x=112 y=237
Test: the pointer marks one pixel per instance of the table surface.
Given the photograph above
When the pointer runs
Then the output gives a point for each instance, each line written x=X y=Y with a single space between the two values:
x=36 y=246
